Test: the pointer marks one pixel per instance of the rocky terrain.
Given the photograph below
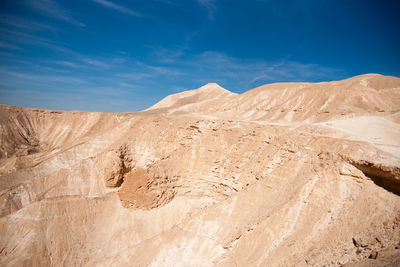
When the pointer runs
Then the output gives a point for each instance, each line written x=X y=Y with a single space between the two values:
x=288 y=174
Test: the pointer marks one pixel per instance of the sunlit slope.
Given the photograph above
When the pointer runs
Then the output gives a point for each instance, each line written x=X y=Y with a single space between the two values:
x=285 y=174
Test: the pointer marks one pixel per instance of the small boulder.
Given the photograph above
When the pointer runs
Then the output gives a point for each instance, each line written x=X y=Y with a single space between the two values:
x=343 y=260
x=360 y=242
x=373 y=255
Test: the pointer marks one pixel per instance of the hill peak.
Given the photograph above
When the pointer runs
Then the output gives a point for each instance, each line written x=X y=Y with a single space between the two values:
x=207 y=92
x=211 y=86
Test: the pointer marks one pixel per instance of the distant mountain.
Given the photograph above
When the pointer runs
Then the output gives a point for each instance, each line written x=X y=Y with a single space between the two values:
x=286 y=102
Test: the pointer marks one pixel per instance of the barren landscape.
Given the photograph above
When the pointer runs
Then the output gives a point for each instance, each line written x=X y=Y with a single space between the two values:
x=286 y=174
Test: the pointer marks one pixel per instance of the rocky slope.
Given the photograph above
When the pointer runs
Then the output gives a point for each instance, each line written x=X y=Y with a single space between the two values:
x=285 y=174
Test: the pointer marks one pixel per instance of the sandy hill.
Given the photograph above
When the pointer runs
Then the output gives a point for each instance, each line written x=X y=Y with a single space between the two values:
x=208 y=94
x=288 y=174
x=287 y=102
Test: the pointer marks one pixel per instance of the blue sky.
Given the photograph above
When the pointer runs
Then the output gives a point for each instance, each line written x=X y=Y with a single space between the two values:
x=119 y=56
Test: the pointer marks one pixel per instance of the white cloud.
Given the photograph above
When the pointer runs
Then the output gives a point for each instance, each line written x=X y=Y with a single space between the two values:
x=7 y=45
x=169 y=72
x=66 y=63
x=52 y=9
x=39 y=78
x=18 y=37
x=119 y=8
x=24 y=24
x=95 y=62
x=168 y=55
x=210 y=6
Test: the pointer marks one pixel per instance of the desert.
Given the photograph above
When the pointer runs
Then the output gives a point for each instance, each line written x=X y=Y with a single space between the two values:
x=285 y=174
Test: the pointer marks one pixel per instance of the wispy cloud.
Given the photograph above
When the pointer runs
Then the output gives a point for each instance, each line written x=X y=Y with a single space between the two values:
x=135 y=75
x=169 y=2
x=52 y=9
x=78 y=61
x=22 y=38
x=65 y=63
x=118 y=8
x=39 y=78
x=239 y=74
x=168 y=72
x=6 y=45
x=248 y=73
x=210 y=6
x=168 y=55
x=24 y=24
x=95 y=62
x=100 y=100
x=148 y=81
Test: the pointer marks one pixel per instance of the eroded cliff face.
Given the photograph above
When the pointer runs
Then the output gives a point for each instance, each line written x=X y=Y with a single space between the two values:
x=207 y=177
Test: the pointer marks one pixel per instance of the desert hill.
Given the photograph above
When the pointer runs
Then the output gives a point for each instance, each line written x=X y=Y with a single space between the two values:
x=205 y=95
x=287 y=102
x=287 y=174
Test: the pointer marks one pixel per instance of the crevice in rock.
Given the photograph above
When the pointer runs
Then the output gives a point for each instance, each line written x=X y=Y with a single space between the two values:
x=387 y=177
x=124 y=166
x=117 y=167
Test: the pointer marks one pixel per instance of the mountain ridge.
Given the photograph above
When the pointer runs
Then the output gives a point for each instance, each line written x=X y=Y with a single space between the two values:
x=286 y=102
